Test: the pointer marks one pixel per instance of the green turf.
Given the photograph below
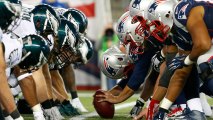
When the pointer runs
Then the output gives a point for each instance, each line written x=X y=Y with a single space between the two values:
x=121 y=114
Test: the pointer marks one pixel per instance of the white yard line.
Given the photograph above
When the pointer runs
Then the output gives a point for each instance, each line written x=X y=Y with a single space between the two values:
x=117 y=107
x=91 y=94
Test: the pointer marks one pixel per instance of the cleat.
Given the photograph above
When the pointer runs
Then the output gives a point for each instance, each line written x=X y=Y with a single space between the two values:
x=57 y=113
x=194 y=115
x=175 y=112
x=38 y=115
x=68 y=110
x=76 y=103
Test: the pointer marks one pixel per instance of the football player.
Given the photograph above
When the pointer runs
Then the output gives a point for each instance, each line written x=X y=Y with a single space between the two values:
x=80 y=21
x=10 y=11
x=187 y=15
x=140 y=53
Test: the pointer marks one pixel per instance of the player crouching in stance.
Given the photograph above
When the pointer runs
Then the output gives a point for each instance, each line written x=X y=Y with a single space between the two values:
x=115 y=64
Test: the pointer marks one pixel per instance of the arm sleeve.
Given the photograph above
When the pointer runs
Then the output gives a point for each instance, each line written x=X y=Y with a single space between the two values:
x=140 y=71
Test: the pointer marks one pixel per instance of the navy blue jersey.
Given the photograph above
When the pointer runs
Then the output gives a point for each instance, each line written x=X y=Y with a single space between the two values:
x=180 y=16
x=137 y=77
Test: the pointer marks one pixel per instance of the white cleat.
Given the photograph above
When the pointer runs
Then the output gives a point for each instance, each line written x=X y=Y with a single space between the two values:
x=38 y=115
x=57 y=113
x=20 y=118
x=205 y=105
x=76 y=103
x=8 y=118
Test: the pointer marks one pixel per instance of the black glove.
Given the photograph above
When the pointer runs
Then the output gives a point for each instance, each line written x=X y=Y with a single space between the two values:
x=137 y=108
x=157 y=60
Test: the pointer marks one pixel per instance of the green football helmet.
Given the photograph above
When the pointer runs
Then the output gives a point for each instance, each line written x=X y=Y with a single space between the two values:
x=68 y=38
x=35 y=52
x=46 y=20
x=85 y=50
x=10 y=10
x=77 y=17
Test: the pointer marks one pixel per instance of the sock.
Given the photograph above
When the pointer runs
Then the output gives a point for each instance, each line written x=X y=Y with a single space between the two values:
x=52 y=102
x=36 y=108
x=46 y=104
x=65 y=102
x=195 y=104
x=15 y=114
x=56 y=103
x=74 y=94
x=5 y=113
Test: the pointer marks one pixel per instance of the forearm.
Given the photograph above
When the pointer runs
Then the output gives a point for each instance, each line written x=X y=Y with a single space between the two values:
x=6 y=97
x=116 y=90
x=125 y=94
x=196 y=52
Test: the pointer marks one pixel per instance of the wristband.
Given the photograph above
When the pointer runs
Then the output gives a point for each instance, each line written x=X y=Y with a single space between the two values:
x=187 y=61
x=166 y=103
x=23 y=76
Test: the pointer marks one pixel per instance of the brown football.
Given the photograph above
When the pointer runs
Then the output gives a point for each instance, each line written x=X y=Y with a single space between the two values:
x=104 y=109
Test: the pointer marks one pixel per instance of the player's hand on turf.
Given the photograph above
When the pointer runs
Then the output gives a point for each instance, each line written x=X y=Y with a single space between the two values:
x=153 y=107
x=157 y=60
x=177 y=63
x=107 y=96
x=141 y=115
x=137 y=108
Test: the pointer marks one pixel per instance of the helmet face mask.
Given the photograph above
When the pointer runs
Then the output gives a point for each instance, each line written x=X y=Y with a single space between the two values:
x=131 y=31
x=85 y=50
x=10 y=11
x=68 y=38
x=160 y=15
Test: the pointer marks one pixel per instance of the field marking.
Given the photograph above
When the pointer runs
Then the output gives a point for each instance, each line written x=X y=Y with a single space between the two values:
x=117 y=107
x=91 y=94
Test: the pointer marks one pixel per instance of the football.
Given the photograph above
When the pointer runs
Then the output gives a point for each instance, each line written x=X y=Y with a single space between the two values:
x=104 y=109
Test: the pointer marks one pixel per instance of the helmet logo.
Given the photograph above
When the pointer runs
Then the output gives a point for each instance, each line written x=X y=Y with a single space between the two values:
x=109 y=69
x=121 y=25
x=70 y=37
x=136 y=4
x=181 y=13
x=70 y=18
x=153 y=7
x=53 y=21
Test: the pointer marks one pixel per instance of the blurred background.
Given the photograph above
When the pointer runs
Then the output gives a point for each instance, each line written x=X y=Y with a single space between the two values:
x=102 y=17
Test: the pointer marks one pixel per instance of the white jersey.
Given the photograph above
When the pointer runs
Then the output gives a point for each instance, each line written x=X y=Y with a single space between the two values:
x=1 y=33
x=25 y=25
x=12 y=50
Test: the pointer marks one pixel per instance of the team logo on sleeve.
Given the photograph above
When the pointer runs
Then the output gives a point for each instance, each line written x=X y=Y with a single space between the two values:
x=109 y=69
x=182 y=12
x=136 y=4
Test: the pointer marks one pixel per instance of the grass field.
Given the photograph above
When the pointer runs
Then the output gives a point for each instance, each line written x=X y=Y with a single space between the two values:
x=121 y=112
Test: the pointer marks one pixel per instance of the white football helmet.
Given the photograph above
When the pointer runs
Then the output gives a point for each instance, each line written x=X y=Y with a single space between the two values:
x=127 y=30
x=114 y=63
x=161 y=15
x=139 y=8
